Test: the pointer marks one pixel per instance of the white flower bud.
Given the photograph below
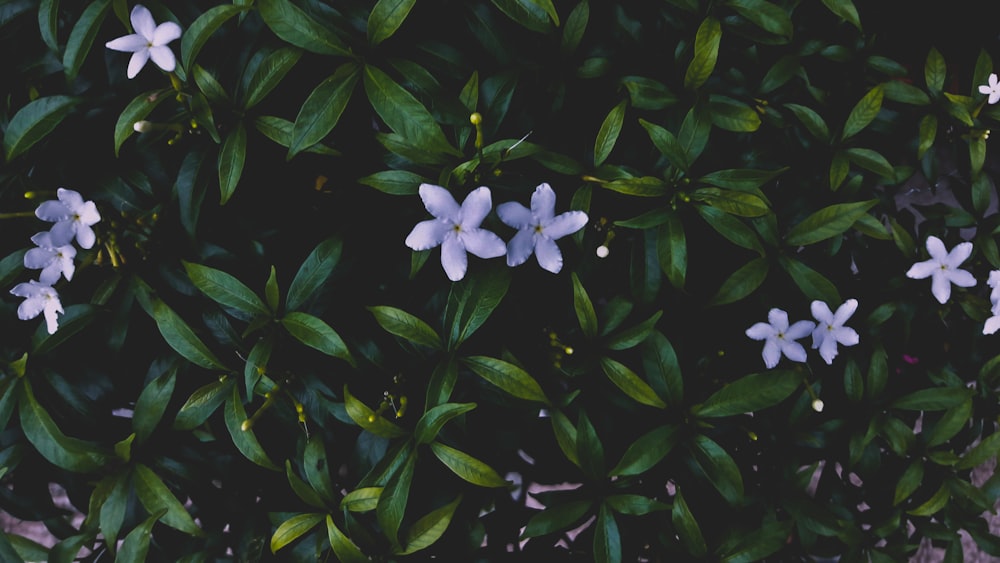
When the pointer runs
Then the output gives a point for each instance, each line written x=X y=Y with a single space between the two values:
x=603 y=251
x=817 y=405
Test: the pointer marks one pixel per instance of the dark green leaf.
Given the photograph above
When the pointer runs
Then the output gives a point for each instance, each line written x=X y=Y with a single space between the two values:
x=386 y=17
x=435 y=418
x=734 y=230
x=201 y=29
x=472 y=301
x=828 y=222
x=41 y=431
x=392 y=502
x=315 y=333
x=813 y=121
x=844 y=9
x=584 y=308
x=646 y=186
x=404 y=114
x=750 y=394
x=732 y=115
x=508 y=377
x=77 y=318
x=48 y=23
x=301 y=488
x=870 y=160
x=576 y=25
x=556 y=518
x=902 y=92
x=742 y=179
x=687 y=527
x=589 y=449
x=225 y=289
x=156 y=497
x=630 y=383
x=280 y=131
x=671 y=247
x=607 y=136
x=667 y=144
x=81 y=38
x=607 y=538
x=321 y=111
x=764 y=15
x=291 y=24
x=634 y=505
x=314 y=272
x=232 y=156
x=242 y=433
x=441 y=383
x=646 y=451
x=467 y=467
x=406 y=326
x=718 y=467
x=982 y=452
x=429 y=528
x=152 y=403
x=863 y=113
x=742 y=282
x=269 y=74
x=136 y=110
x=395 y=182
x=136 y=543
x=529 y=13
x=202 y=403
x=317 y=469
x=935 y=71
x=181 y=338
x=934 y=399
x=813 y=284
x=34 y=121
x=345 y=550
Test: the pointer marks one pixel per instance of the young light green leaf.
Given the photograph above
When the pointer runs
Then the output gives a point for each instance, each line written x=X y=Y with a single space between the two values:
x=750 y=394
x=314 y=272
x=645 y=186
x=225 y=289
x=607 y=136
x=81 y=38
x=406 y=326
x=435 y=418
x=863 y=112
x=345 y=550
x=315 y=333
x=293 y=528
x=293 y=25
x=706 y=53
x=202 y=28
x=845 y=9
x=367 y=419
x=271 y=294
x=156 y=497
x=508 y=377
x=386 y=17
x=935 y=71
x=364 y=499
x=34 y=121
x=429 y=528
x=827 y=222
x=242 y=433
x=467 y=467
x=630 y=383
x=733 y=115
x=321 y=111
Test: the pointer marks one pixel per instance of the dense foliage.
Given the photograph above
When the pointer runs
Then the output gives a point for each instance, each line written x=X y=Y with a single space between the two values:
x=250 y=364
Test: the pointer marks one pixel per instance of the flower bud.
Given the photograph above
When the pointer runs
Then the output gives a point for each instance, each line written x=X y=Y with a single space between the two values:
x=476 y=118
x=142 y=126
x=817 y=405
x=603 y=251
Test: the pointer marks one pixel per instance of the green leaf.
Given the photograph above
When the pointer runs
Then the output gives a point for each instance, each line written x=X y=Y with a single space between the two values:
x=271 y=294
x=667 y=144
x=813 y=284
x=243 y=436
x=42 y=432
x=671 y=250
x=77 y=318
x=718 y=467
x=321 y=111
x=315 y=333
x=209 y=85
x=576 y=26
x=291 y=24
x=630 y=383
x=11 y=267
x=646 y=451
x=406 y=326
x=395 y=182
x=225 y=289
x=732 y=115
x=429 y=528
x=364 y=499
x=871 y=160
x=34 y=121
x=472 y=301
x=686 y=526
x=269 y=74
x=764 y=15
x=934 y=504
x=404 y=114
x=909 y=482
x=156 y=497
x=345 y=550
x=280 y=131
x=556 y=518
x=634 y=505
x=291 y=529
x=646 y=93
x=982 y=452
x=367 y=419
x=659 y=360
x=706 y=53
x=742 y=179
x=863 y=112
x=844 y=9
x=48 y=23
x=750 y=394
x=441 y=383
x=136 y=110
x=317 y=469
x=585 y=313
x=607 y=136
x=529 y=13
x=742 y=282
x=634 y=335
x=508 y=377
x=935 y=71
x=181 y=338
x=759 y=544
x=136 y=543
x=589 y=449
x=202 y=403
x=467 y=467
x=933 y=399
x=202 y=28
x=152 y=403
x=902 y=92
x=392 y=502
x=314 y=272
x=646 y=186
x=607 y=538
x=232 y=156
x=301 y=488
x=386 y=17
x=733 y=202
x=827 y=222
x=951 y=422
x=812 y=121
x=435 y=418
x=81 y=38
x=565 y=434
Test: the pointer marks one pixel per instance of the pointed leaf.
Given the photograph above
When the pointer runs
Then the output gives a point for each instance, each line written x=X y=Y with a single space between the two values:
x=508 y=377
x=429 y=528
x=136 y=543
x=584 y=308
x=687 y=527
x=295 y=26
x=750 y=394
x=181 y=338
x=42 y=432
x=155 y=497
x=607 y=538
x=34 y=121
x=225 y=289
x=291 y=529
x=314 y=272
x=345 y=550
x=152 y=403
x=386 y=17
x=434 y=419
x=136 y=110
x=863 y=113
x=718 y=467
x=607 y=136
x=81 y=38
x=269 y=74
x=404 y=114
x=706 y=53
x=406 y=326
x=646 y=451
x=201 y=29
x=232 y=156
x=315 y=333
x=828 y=222
x=467 y=467
x=321 y=111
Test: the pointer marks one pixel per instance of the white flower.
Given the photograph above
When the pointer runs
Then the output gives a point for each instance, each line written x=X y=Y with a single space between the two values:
x=54 y=260
x=818 y=405
x=780 y=338
x=39 y=297
x=73 y=218
x=148 y=42
x=539 y=227
x=455 y=228
x=943 y=268
x=993 y=323
x=993 y=89
x=830 y=328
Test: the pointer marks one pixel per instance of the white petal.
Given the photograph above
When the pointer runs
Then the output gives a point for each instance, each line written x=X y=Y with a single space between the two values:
x=50 y=274
x=521 y=246
x=142 y=21
x=844 y=312
x=136 y=63
x=543 y=203
x=29 y=289
x=992 y=325
x=961 y=278
x=924 y=269
x=163 y=57
x=52 y=211
x=799 y=330
x=43 y=239
x=994 y=96
x=30 y=308
x=846 y=336
x=985 y=89
x=63 y=232
x=165 y=33
x=828 y=350
x=476 y=207
x=994 y=279
x=70 y=198
x=515 y=215
x=38 y=258
x=427 y=234
x=439 y=202
x=936 y=248
x=771 y=353
x=959 y=254
x=52 y=306
x=940 y=286
x=778 y=319
x=761 y=331
x=85 y=236
x=819 y=335
x=88 y=214
x=128 y=43
x=548 y=255
x=564 y=224
x=793 y=351
x=821 y=312
x=483 y=243
x=453 y=258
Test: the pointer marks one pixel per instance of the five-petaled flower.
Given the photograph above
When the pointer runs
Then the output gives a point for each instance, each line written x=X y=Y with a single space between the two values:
x=993 y=323
x=148 y=42
x=538 y=229
x=780 y=338
x=992 y=89
x=455 y=228
x=54 y=260
x=73 y=218
x=39 y=297
x=943 y=269
x=830 y=328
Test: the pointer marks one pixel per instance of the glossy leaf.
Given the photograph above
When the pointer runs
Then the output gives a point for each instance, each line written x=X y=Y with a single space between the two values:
x=315 y=333
x=467 y=467
x=345 y=550
x=202 y=403
x=718 y=467
x=152 y=403
x=863 y=113
x=395 y=182
x=812 y=283
x=403 y=113
x=314 y=272
x=687 y=527
x=607 y=136
x=386 y=17
x=589 y=449
x=556 y=518
x=243 y=435
x=667 y=143
x=317 y=469
x=471 y=302
x=765 y=15
x=706 y=53
x=293 y=528
x=742 y=282
x=367 y=419
x=508 y=377
x=181 y=338
x=364 y=499
x=136 y=110
x=828 y=222
x=225 y=289
x=429 y=528
x=434 y=419
x=607 y=538
x=34 y=121
x=406 y=326
x=321 y=111
x=646 y=451
x=81 y=38
x=156 y=497
x=392 y=502
x=232 y=157
x=201 y=29
x=295 y=26
x=63 y=451
x=270 y=73
x=672 y=250
x=812 y=121
x=750 y=394
x=585 y=313
x=136 y=543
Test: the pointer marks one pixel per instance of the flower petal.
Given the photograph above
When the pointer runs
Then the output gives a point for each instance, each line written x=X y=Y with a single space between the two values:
x=771 y=353
x=50 y=274
x=71 y=198
x=761 y=331
x=543 y=203
x=26 y=289
x=936 y=248
x=427 y=234
x=38 y=258
x=846 y=336
x=819 y=335
x=521 y=246
x=439 y=202
x=940 y=286
x=922 y=270
x=136 y=63
x=821 y=312
x=63 y=232
x=564 y=224
x=453 y=258
x=52 y=306
x=548 y=255
x=959 y=254
x=142 y=21
x=844 y=312
x=475 y=208
x=992 y=325
x=165 y=33
x=961 y=278
x=128 y=43
x=52 y=210
x=828 y=350
x=88 y=214
x=778 y=319
x=163 y=57
x=483 y=243
x=85 y=236
x=793 y=350
x=30 y=308
x=799 y=330
x=515 y=215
